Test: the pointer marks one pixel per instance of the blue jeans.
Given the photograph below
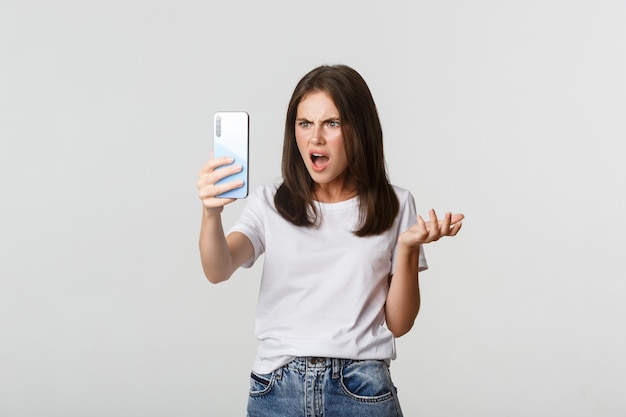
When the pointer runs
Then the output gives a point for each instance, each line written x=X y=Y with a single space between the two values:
x=314 y=387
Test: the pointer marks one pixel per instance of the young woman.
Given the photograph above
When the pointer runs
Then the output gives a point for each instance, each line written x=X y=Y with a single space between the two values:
x=343 y=248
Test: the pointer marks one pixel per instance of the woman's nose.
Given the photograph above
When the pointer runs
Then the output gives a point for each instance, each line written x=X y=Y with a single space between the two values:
x=317 y=137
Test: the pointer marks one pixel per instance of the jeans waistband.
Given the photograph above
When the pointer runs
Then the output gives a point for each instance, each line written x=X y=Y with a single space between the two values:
x=318 y=364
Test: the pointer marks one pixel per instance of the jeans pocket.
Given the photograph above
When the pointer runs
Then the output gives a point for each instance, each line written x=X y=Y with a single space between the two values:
x=367 y=381
x=260 y=384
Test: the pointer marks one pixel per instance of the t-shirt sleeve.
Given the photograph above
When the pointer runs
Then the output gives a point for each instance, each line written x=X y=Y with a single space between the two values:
x=251 y=224
x=407 y=218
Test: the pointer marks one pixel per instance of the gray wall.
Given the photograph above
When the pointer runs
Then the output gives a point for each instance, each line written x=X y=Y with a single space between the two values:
x=511 y=112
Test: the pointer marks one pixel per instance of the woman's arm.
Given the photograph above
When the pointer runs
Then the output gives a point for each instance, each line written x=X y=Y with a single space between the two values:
x=403 y=300
x=220 y=255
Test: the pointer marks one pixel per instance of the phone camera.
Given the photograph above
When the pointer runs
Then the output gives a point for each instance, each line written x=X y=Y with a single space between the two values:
x=218 y=126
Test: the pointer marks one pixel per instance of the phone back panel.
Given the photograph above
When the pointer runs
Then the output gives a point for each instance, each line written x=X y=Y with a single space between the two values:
x=230 y=138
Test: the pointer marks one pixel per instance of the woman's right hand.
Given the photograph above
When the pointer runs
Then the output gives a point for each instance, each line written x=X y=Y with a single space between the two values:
x=208 y=177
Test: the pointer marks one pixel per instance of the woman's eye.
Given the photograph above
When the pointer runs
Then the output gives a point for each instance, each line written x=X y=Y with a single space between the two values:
x=334 y=123
x=304 y=124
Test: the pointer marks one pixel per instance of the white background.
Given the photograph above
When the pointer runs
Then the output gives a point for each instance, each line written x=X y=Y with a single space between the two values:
x=512 y=112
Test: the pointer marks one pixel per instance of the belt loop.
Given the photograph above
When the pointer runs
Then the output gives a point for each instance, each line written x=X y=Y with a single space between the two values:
x=337 y=365
x=278 y=373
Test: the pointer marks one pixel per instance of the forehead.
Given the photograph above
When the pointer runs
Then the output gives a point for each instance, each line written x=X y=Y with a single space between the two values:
x=317 y=104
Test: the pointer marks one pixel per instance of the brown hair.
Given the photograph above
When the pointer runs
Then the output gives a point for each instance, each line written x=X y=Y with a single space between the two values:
x=363 y=136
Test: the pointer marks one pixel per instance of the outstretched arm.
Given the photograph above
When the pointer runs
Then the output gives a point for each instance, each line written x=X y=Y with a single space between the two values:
x=220 y=255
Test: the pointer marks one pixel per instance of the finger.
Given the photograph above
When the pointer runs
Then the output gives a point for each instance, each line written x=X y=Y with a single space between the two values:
x=227 y=171
x=214 y=163
x=225 y=200
x=228 y=186
x=223 y=160
x=211 y=193
x=433 y=217
x=445 y=223
x=214 y=176
x=434 y=229
x=421 y=224
x=455 y=224
x=455 y=229
x=209 y=185
x=457 y=218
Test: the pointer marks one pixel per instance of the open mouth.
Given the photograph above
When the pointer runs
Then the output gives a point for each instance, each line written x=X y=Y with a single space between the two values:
x=320 y=161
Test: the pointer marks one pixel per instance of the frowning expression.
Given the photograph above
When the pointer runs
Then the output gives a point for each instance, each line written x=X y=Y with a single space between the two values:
x=320 y=139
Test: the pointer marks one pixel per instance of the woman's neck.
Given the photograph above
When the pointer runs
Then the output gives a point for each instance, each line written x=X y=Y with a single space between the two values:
x=327 y=193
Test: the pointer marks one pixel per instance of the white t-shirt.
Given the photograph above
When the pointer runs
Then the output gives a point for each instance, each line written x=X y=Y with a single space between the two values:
x=323 y=289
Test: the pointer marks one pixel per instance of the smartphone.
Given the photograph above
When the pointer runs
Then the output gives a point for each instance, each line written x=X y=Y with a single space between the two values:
x=231 y=138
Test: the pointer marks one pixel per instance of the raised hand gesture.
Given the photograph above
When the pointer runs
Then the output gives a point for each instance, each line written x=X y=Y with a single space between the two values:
x=431 y=231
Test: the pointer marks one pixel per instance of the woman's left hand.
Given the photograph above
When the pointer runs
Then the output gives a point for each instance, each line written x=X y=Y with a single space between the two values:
x=431 y=231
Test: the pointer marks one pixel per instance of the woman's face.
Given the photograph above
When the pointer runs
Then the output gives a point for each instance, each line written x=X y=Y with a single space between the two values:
x=320 y=140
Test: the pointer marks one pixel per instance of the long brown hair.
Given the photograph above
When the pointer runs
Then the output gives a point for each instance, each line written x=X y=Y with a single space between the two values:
x=363 y=138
